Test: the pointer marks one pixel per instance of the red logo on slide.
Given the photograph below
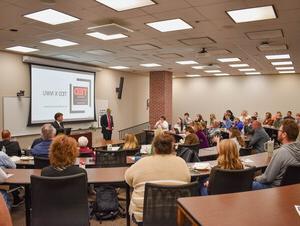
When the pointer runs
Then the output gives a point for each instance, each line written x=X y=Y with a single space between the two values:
x=80 y=95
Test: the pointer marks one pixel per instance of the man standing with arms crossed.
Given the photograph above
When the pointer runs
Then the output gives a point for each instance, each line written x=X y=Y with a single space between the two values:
x=107 y=124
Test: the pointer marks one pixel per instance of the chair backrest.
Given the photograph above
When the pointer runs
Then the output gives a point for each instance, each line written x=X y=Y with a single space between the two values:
x=131 y=152
x=85 y=155
x=41 y=162
x=194 y=147
x=230 y=181
x=110 y=158
x=291 y=175
x=245 y=151
x=188 y=155
x=160 y=202
x=59 y=201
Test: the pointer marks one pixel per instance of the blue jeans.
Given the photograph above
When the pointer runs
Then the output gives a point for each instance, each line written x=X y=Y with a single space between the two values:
x=257 y=185
x=6 y=198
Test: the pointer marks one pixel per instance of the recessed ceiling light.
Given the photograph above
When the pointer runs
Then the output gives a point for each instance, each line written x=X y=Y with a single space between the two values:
x=198 y=67
x=282 y=63
x=284 y=68
x=278 y=57
x=287 y=72
x=59 y=42
x=121 y=5
x=253 y=73
x=191 y=76
x=213 y=71
x=247 y=69
x=51 y=16
x=106 y=37
x=186 y=62
x=150 y=65
x=118 y=67
x=225 y=60
x=239 y=65
x=221 y=74
x=170 y=25
x=100 y=52
x=22 y=49
x=252 y=14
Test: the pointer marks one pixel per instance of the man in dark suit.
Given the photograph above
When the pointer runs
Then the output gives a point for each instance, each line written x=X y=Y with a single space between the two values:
x=107 y=124
x=58 y=123
x=12 y=148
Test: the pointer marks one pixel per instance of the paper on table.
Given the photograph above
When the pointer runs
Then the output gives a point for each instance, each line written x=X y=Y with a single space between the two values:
x=201 y=166
x=146 y=149
x=15 y=158
x=248 y=161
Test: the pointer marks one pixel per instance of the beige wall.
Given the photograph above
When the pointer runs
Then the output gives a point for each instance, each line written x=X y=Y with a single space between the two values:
x=129 y=111
x=254 y=93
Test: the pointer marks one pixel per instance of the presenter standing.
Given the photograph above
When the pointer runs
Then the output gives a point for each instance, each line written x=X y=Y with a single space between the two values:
x=58 y=123
x=107 y=124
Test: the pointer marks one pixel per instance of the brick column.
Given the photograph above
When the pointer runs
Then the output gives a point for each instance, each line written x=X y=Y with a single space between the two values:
x=160 y=96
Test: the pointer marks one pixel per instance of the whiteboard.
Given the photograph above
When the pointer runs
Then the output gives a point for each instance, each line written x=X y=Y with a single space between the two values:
x=15 y=117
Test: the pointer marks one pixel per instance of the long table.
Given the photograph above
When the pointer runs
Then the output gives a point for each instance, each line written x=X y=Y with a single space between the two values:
x=112 y=176
x=268 y=207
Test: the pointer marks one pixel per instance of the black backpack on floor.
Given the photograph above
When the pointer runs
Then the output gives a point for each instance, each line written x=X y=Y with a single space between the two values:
x=107 y=204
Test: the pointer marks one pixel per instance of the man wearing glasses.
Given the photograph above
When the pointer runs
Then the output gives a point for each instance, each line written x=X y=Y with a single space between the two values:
x=288 y=154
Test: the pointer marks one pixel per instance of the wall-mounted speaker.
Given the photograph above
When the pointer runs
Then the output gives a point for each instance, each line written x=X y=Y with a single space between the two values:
x=119 y=89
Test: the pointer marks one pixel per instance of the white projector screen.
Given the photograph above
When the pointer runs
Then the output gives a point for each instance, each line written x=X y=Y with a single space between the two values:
x=71 y=92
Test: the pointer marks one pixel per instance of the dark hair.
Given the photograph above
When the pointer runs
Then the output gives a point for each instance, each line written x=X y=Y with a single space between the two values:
x=190 y=129
x=191 y=139
x=5 y=134
x=163 y=117
x=290 y=127
x=290 y=112
x=187 y=114
x=57 y=115
x=163 y=144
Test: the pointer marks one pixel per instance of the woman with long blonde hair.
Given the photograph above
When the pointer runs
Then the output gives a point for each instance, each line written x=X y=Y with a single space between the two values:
x=130 y=142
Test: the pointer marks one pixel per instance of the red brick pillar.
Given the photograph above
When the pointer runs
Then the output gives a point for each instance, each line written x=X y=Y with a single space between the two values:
x=160 y=96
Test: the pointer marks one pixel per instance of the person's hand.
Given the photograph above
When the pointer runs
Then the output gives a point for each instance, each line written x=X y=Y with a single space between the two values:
x=206 y=183
x=216 y=139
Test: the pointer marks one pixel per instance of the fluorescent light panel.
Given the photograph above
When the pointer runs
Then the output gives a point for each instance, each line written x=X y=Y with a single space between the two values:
x=106 y=37
x=284 y=68
x=253 y=73
x=118 y=67
x=198 y=67
x=59 y=42
x=247 y=69
x=226 y=60
x=287 y=72
x=278 y=57
x=282 y=63
x=186 y=62
x=22 y=49
x=239 y=65
x=150 y=65
x=221 y=74
x=252 y=14
x=51 y=16
x=121 y=5
x=213 y=71
x=192 y=76
x=170 y=25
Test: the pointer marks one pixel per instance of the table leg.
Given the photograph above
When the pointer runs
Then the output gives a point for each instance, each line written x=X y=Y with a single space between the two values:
x=180 y=217
x=127 y=204
x=27 y=205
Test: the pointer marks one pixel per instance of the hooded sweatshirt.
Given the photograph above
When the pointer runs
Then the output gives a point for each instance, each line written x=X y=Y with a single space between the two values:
x=286 y=155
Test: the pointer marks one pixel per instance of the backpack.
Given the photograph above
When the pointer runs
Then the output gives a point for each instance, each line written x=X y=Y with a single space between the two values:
x=107 y=204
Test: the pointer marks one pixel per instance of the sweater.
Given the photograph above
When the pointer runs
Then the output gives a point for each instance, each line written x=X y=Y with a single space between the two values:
x=258 y=139
x=41 y=149
x=50 y=171
x=162 y=169
x=286 y=155
x=203 y=139
x=6 y=162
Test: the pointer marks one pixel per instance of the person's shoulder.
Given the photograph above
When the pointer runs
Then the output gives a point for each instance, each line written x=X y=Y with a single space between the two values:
x=76 y=169
x=47 y=171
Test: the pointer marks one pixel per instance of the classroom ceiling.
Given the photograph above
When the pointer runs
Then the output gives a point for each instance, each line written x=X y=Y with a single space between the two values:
x=212 y=29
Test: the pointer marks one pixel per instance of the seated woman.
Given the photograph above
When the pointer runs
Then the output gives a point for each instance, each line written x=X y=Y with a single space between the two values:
x=83 y=149
x=268 y=119
x=163 y=167
x=130 y=142
x=191 y=138
x=228 y=159
x=235 y=135
x=63 y=153
x=199 y=130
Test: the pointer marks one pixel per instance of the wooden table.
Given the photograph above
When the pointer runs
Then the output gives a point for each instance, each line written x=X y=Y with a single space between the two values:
x=268 y=207
x=112 y=176
x=103 y=143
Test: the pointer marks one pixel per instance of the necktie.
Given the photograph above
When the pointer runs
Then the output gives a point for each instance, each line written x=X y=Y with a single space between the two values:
x=108 y=121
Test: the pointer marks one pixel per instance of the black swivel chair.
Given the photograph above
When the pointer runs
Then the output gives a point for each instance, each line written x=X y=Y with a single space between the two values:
x=110 y=158
x=131 y=152
x=194 y=147
x=41 y=162
x=59 y=201
x=230 y=181
x=291 y=175
x=245 y=151
x=160 y=202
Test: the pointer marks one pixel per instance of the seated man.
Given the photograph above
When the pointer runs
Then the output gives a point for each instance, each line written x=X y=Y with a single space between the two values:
x=11 y=147
x=259 y=137
x=288 y=154
x=42 y=148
